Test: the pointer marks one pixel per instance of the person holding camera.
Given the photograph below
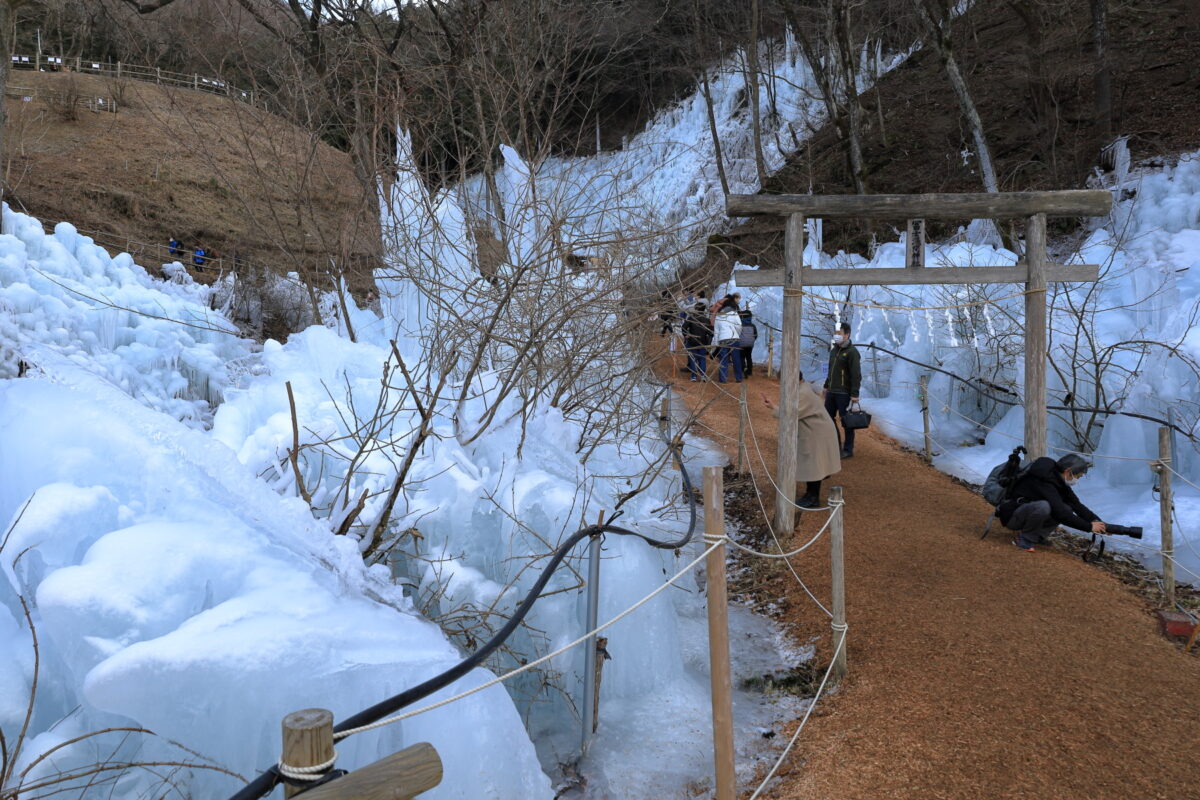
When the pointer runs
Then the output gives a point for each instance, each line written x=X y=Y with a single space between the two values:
x=1041 y=499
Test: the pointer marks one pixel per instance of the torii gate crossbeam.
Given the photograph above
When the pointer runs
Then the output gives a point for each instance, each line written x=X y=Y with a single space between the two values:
x=1034 y=272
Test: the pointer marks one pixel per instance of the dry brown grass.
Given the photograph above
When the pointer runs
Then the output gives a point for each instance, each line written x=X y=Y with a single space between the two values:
x=210 y=171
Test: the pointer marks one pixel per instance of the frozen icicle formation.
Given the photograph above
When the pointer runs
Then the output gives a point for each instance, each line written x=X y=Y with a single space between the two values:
x=429 y=252
x=64 y=300
x=174 y=591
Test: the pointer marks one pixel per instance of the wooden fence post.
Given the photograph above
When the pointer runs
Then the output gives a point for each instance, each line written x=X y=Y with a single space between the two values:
x=1165 y=506
x=118 y=69
x=743 y=461
x=875 y=369
x=195 y=81
x=591 y=687
x=838 y=667
x=307 y=740
x=924 y=384
x=718 y=635
x=770 y=352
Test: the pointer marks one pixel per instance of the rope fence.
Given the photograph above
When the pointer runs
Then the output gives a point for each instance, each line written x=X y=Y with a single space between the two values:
x=372 y=719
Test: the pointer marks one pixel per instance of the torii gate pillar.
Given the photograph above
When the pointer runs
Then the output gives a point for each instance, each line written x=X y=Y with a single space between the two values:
x=1035 y=273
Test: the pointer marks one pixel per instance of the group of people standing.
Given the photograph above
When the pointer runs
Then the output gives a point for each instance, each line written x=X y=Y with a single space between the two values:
x=725 y=331
x=200 y=256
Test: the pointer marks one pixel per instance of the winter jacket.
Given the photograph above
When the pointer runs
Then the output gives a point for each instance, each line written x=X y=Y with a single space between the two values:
x=845 y=370
x=1043 y=481
x=728 y=326
x=749 y=333
x=817 y=452
x=696 y=330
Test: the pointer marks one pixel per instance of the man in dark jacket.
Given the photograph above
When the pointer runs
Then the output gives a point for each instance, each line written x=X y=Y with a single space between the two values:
x=697 y=336
x=1042 y=499
x=746 y=341
x=843 y=382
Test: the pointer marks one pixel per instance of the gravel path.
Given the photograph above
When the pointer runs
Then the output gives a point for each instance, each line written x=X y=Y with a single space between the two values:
x=976 y=670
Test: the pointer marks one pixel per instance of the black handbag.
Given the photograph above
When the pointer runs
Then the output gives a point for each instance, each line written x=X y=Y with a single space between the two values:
x=854 y=418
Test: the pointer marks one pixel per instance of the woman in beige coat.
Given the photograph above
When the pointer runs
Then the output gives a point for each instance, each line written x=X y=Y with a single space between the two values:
x=816 y=444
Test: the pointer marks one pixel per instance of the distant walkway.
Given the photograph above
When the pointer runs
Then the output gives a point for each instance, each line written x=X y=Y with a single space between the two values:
x=976 y=670
x=41 y=62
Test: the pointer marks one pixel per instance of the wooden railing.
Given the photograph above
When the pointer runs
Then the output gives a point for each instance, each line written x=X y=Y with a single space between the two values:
x=90 y=102
x=200 y=83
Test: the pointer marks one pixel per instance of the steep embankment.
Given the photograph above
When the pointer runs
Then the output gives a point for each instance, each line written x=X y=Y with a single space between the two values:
x=210 y=171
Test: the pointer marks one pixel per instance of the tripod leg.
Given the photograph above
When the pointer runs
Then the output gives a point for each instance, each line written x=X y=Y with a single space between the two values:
x=988 y=528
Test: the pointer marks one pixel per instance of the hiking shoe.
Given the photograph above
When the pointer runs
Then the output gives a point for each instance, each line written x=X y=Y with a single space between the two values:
x=847 y=453
x=1021 y=546
x=808 y=501
x=693 y=379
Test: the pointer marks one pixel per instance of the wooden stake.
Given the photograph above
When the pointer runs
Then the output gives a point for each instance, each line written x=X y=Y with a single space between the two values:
x=838 y=623
x=1035 y=337
x=718 y=635
x=1165 y=503
x=770 y=353
x=665 y=415
x=924 y=383
x=875 y=371
x=789 y=369
x=307 y=740
x=743 y=460
x=399 y=776
x=591 y=683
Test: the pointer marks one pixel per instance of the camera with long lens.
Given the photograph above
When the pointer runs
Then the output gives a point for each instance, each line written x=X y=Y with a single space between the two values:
x=1132 y=531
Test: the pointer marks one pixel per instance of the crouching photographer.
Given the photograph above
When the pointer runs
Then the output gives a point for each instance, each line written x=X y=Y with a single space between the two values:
x=1041 y=499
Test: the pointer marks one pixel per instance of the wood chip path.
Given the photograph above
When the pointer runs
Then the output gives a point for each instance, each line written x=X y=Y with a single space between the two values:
x=976 y=670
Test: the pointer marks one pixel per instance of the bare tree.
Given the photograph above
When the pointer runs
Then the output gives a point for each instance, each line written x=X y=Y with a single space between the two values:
x=936 y=16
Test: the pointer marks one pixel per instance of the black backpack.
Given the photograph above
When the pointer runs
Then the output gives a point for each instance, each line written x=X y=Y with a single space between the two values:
x=1003 y=477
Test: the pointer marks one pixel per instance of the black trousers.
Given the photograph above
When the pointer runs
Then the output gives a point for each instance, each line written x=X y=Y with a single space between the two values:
x=838 y=403
x=747 y=355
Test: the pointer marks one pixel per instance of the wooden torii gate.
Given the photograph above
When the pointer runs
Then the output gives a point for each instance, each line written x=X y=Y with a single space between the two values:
x=1033 y=271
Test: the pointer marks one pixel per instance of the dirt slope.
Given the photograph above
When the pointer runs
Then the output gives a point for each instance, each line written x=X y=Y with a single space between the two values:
x=919 y=146
x=976 y=670
x=208 y=170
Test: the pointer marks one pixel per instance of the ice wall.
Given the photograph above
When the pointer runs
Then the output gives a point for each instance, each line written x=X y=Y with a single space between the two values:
x=171 y=588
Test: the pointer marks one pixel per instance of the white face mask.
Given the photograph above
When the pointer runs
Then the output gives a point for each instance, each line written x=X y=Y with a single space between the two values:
x=1072 y=480
x=838 y=338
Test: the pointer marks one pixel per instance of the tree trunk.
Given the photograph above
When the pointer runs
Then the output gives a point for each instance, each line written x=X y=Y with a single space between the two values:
x=853 y=108
x=938 y=29
x=752 y=72
x=6 y=45
x=712 y=127
x=1103 y=77
x=708 y=103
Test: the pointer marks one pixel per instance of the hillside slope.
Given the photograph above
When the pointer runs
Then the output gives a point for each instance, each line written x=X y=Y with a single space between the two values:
x=212 y=172
x=923 y=144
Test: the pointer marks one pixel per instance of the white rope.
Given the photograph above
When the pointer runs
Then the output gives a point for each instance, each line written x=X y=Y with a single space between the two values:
x=538 y=662
x=808 y=713
x=758 y=496
x=313 y=773
x=1174 y=472
x=797 y=551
